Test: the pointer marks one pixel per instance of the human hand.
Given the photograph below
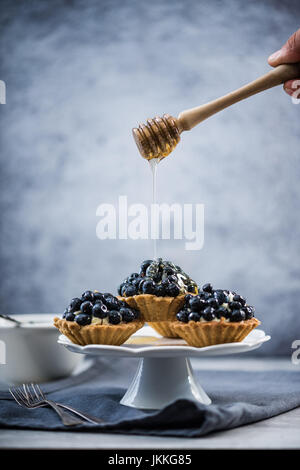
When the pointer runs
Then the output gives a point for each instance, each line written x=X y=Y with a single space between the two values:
x=289 y=53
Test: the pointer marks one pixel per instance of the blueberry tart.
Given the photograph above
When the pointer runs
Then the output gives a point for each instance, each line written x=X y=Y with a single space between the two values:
x=214 y=316
x=96 y=318
x=158 y=291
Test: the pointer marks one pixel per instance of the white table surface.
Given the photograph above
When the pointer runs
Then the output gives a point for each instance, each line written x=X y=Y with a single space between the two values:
x=280 y=432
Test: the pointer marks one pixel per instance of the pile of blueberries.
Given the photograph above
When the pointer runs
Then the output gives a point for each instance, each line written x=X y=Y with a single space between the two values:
x=208 y=305
x=94 y=304
x=157 y=277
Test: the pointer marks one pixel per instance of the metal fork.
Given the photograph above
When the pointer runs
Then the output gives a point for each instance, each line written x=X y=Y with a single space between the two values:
x=31 y=396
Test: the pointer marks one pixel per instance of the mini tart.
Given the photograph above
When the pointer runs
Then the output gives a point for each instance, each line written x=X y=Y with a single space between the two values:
x=97 y=334
x=201 y=334
x=155 y=309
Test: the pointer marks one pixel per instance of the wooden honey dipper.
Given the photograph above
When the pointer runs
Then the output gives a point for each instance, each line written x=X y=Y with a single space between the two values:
x=160 y=135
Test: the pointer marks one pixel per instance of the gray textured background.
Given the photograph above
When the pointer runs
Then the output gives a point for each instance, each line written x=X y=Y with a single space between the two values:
x=79 y=76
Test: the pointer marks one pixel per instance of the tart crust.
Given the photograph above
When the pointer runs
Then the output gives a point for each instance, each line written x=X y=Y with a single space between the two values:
x=201 y=334
x=97 y=334
x=164 y=328
x=156 y=309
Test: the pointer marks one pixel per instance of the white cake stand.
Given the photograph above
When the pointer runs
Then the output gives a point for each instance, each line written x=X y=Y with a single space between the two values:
x=164 y=373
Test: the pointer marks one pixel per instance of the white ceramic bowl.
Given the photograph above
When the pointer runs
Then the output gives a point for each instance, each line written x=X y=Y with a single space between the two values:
x=32 y=353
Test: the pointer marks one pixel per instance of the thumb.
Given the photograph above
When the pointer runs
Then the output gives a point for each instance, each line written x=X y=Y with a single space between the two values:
x=289 y=53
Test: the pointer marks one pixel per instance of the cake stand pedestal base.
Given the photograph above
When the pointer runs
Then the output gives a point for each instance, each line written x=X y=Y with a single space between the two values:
x=164 y=373
x=159 y=381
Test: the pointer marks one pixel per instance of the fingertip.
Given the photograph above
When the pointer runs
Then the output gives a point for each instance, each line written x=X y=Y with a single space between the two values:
x=273 y=59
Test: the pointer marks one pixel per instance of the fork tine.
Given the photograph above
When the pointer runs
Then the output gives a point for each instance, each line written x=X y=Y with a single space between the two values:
x=22 y=400
x=17 y=398
x=21 y=393
x=25 y=392
x=33 y=394
x=18 y=391
x=41 y=392
x=12 y=392
x=36 y=391
x=22 y=396
x=29 y=395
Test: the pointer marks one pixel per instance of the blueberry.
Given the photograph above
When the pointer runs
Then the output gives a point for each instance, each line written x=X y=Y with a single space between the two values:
x=207 y=288
x=187 y=299
x=221 y=312
x=220 y=296
x=212 y=302
x=127 y=315
x=70 y=316
x=114 y=317
x=88 y=295
x=75 y=304
x=136 y=313
x=133 y=276
x=86 y=307
x=111 y=302
x=239 y=298
x=235 y=306
x=160 y=291
x=100 y=310
x=120 y=288
x=197 y=304
x=205 y=295
x=83 y=319
x=145 y=265
x=129 y=290
x=172 y=290
x=208 y=314
x=183 y=316
x=144 y=279
x=136 y=282
x=98 y=297
x=123 y=290
x=208 y=310
x=237 y=315
x=172 y=279
x=249 y=311
x=65 y=313
x=148 y=287
x=194 y=316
